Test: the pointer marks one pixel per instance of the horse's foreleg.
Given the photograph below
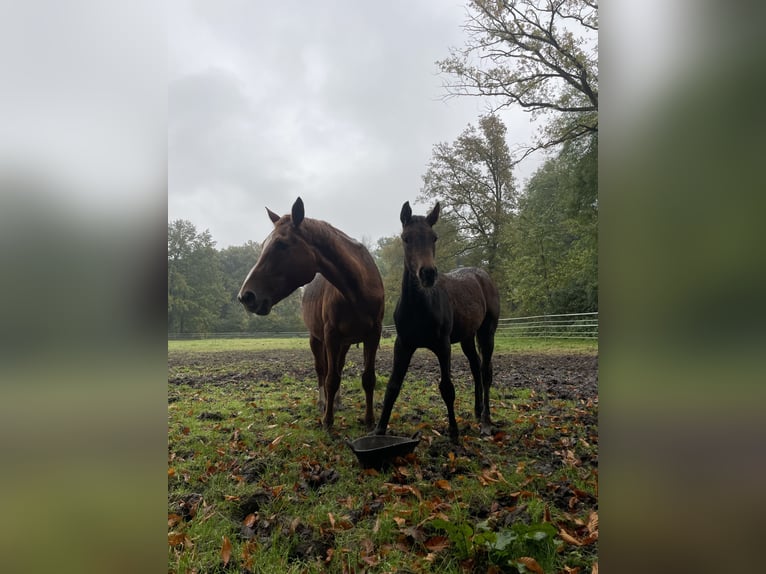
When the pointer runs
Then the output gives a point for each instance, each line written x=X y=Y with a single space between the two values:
x=320 y=364
x=469 y=349
x=368 y=380
x=447 y=389
x=402 y=357
x=336 y=355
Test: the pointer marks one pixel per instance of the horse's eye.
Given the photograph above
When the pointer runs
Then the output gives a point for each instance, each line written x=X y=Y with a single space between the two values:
x=406 y=239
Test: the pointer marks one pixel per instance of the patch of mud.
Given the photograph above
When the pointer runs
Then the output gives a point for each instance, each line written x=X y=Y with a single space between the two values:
x=565 y=377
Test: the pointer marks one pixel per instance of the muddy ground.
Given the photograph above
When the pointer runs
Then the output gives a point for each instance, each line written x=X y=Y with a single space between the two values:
x=570 y=377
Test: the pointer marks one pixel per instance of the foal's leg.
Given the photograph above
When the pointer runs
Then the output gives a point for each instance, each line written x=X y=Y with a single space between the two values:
x=469 y=349
x=486 y=337
x=368 y=379
x=402 y=357
x=320 y=364
x=446 y=388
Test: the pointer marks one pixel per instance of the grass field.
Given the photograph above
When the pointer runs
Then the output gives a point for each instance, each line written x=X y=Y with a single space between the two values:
x=502 y=345
x=256 y=485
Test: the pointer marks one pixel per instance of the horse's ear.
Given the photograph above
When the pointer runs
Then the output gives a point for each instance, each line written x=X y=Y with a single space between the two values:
x=406 y=213
x=298 y=212
x=273 y=216
x=433 y=217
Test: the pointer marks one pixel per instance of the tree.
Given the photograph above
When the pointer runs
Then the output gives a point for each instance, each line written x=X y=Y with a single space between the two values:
x=195 y=282
x=236 y=262
x=552 y=264
x=473 y=180
x=541 y=55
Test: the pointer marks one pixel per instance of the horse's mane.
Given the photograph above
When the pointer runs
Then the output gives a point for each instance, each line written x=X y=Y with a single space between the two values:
x=323 y=231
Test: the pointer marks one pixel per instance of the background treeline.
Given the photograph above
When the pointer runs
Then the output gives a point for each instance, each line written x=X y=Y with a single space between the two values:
x=539 y=245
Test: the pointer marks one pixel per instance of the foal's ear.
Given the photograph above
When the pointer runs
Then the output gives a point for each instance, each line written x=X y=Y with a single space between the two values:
x=298 y=212
x=433 y=217
x=406 y=213
x=273 y=216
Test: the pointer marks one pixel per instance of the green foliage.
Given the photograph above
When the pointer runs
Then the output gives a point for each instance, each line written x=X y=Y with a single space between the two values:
x=552 y=247
x=195 y=279
x=389 y=257
x=203 y=284
x=504 y=545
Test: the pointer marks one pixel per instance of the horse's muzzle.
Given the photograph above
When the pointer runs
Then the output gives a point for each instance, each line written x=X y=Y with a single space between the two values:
x=252 y=304
x=427 y=276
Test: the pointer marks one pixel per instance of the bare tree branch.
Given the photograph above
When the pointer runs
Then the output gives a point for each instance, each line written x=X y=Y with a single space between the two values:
x=538 y=54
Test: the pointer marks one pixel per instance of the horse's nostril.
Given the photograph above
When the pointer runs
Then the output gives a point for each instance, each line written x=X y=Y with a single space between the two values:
x=428 y=276
x=246 y=298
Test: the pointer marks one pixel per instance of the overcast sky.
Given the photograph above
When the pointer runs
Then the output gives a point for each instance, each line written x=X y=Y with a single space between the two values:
x=338 y=102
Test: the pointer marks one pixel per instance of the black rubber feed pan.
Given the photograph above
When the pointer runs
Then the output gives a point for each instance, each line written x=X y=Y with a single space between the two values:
x=375 y=451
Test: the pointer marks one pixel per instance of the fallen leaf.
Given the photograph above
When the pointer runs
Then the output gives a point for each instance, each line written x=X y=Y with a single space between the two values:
x=175 y=538
x=531 y=564
x=276 y=441
x=593 y=522
x=294 y=524
x=173 y=519
x=437 y=543
x=171 y=472
x=249 y=520
x=226 y=551
x=277 y=490
x=332 y=519
x=443 y=484
x=594 y=570
x=400 y=521
x=569 y=538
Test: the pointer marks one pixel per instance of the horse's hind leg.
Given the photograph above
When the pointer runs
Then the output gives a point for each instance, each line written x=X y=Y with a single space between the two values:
x=368 y=380
x=486 y=338
x=469 y=349
x=320 y=365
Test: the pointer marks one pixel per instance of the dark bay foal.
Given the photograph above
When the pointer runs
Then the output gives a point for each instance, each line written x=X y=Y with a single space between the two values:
x=436 y=310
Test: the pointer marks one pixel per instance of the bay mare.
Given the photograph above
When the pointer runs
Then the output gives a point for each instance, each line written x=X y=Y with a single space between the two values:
x=342 y=303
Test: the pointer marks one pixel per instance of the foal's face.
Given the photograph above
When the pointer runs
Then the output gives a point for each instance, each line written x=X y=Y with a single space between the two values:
x=419 y=240
x=286 y=263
